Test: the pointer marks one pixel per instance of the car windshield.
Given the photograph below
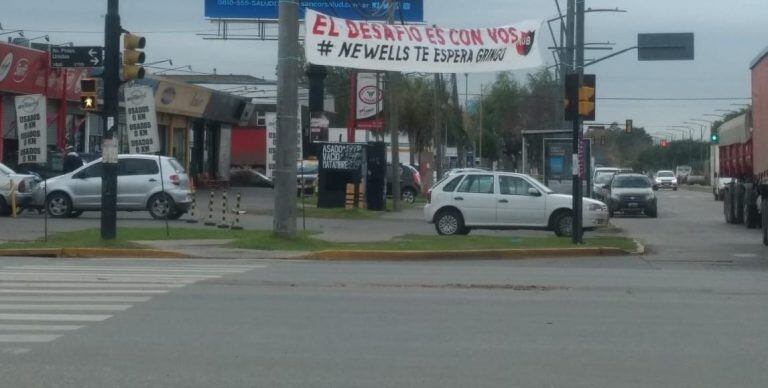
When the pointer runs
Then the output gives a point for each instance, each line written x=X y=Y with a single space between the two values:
x=603 y=177
x=631 y=182
x=665 y=174
x=5 y=170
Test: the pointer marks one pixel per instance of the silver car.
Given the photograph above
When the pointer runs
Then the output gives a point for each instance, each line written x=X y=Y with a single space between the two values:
x=138 y=188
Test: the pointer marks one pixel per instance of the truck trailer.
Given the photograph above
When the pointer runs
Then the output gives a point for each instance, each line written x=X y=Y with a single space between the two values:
x=743 y=156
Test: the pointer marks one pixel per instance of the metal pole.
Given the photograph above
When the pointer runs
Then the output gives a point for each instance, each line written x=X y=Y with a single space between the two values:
x=112 y=32
x=284 y=223
x=480 y=126
x=579 y=45
x=436 y=138
x=394 y=125
x=466 y=117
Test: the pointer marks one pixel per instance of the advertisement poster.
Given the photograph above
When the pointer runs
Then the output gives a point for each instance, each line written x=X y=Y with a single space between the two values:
x=370 y=45
x=271 y=124
x=370 y=101
x=141 y=120
x=33 y=133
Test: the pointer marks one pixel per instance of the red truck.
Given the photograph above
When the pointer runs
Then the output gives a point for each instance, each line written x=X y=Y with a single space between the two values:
x=743 y=152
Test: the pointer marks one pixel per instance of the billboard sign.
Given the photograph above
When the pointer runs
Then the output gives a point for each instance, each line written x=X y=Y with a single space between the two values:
x=141 y=120
x=370 y=101
x=33 y=133
x=333 y=41
x=411 y=11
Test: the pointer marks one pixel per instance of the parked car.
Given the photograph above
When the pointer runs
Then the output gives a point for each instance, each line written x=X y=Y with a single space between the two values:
x=410 y=182
x=632 y=193
x=138 y=188
x=503 y=200
x=665 y=179
x=23 y=185
x=306 y=177
x=718 y=188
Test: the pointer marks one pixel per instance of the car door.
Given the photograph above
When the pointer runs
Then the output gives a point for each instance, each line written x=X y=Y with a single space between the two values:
x=137 y=179
x=475 y=198
x=86 y=187
x=516 y=205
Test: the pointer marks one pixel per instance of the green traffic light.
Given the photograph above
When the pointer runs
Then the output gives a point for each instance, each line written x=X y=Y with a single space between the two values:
x=715 y=138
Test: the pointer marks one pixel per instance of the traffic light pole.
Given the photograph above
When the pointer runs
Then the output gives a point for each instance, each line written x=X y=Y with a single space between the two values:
x=112 y=31
x=577 y=233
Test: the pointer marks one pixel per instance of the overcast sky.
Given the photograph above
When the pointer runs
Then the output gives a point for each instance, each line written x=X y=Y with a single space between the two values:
x=729 y=34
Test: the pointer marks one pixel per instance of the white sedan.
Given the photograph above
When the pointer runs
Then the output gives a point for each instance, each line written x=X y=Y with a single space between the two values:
x=501 y=200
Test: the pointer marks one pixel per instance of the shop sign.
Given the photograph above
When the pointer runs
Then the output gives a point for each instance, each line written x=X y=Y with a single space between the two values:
x=342 y=156
x=370 y=101
x=32 y=129
x=185 y=100
x=333 y=41
x=141 y=120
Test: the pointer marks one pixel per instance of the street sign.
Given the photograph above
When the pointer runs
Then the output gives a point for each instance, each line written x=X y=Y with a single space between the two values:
x=665 y=47
x=80 y=56
x=410 y=11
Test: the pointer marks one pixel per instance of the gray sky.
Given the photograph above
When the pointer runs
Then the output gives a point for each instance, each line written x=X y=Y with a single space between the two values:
x=729 y=34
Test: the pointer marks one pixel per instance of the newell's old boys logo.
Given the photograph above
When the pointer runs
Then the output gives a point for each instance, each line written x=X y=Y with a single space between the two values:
x=370 y=95
x=525 y=43
x=29 y=105
x=137 y=96
x=5 y=66
x=22 y=68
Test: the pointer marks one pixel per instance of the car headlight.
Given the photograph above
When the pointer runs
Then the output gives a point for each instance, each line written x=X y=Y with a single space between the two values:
x=658 y=180
x=593 y=207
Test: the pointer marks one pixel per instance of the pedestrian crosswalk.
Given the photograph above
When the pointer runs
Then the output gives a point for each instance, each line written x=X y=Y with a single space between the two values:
x=41 y=303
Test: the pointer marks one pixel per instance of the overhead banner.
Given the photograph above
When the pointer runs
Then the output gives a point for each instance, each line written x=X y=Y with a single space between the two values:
x=32 y=129
x=141 y=120
x=411 y=11
x=340 y=42
x=370 y=101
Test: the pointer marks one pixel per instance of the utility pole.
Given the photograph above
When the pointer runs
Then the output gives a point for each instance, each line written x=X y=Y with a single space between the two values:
x=436 y=138
x=394 y=125
x=284 y=223
x=112 y=32
x=480 y=127
x=576 y=228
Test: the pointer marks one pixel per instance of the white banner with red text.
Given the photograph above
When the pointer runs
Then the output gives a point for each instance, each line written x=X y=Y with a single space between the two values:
x=359 y=44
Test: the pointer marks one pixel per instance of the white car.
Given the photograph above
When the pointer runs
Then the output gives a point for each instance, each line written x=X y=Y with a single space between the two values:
x=23 y=185
x=502 y=200
x=665 y=179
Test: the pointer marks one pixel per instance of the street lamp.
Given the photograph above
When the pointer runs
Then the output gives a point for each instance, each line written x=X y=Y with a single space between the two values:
x=170 y=62
x=46 y=37
x=21 y=32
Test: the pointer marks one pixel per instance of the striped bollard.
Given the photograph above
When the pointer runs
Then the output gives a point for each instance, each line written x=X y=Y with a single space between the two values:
x=224 y=206
x=236 y=223
x=210 y=221
x=193 y=209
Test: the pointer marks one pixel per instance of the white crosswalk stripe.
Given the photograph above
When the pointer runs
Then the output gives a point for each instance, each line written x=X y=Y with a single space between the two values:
x=41 y=303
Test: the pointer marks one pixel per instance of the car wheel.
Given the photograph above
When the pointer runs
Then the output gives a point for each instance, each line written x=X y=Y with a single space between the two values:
x=449 y=223
x=409 y=195
x=674 y=189
x=652 y=212
x=161 y=206
x=4 y=208
x=58 y=205
x=764 y=217
x=564 y=224
x=75 y=214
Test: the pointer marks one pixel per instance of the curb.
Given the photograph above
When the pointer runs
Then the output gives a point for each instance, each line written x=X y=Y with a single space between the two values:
x=92 y=253
x=488 y=254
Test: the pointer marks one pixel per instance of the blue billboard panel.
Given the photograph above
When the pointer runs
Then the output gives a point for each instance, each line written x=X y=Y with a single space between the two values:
x=411 y=11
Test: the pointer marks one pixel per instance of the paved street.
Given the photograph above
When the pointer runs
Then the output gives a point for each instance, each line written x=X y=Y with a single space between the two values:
x=689 y=315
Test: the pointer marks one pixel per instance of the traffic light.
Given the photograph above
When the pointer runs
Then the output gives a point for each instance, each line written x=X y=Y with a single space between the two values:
x=132 y=57
x=714 y=138
x=663 y=143
x=628 y=127
x=587 y=97
x=88 y=95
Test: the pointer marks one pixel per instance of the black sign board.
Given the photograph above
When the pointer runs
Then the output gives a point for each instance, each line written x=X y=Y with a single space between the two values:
x=342 y=156
x=665 y=47
x=80 y=56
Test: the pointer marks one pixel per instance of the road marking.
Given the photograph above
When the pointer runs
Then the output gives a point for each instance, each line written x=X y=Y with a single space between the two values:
x=14 y=351
x=65 y=307
x=40 y=327
x=100 y=292
x=106 y=274
x=744 y=255
x=131 y=269
x=55 y=317
x=87 y=285
x=28 y=337
x=123 y=299
x=113 y=279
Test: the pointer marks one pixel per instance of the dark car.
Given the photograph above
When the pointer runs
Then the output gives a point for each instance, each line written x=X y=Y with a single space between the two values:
x=410 y=182
x=632 y=193
x=602 y=178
